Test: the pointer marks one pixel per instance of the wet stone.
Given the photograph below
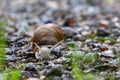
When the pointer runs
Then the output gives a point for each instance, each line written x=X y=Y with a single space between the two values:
x=55 y=70
x=53 y=78
x=108 y=53
x=104 y=23
x=78 y=37
x=11 y=58
x=68 y=32
x=32 y=78
x=60 y=60
x=103 y=32
x=30 y=67
x=9 y=51
x=57 y=51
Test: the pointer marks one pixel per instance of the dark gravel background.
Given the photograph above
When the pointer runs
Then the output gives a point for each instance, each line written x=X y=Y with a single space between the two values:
x=77 y=18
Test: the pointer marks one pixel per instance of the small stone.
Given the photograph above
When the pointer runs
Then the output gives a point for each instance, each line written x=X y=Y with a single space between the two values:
x=116 y=62
x=52 y=4
x=117 y=24
x=103 y=32
x=68 y=32
x=57 y=51
x=103 y=48
x=43 y=72
x=30 y=67
x=114 y=19
x=108 y=53
x=9 y=51
x=118 y=40
x=85 y=33
x=53 y=78
x=117 y=77
x=71 y=22
x=32 y=78
x=78 y=37
x=55 y=70
x=10 y=30
x=42 y=77
x=104 y=23
x=11 y=58
x=60 y=60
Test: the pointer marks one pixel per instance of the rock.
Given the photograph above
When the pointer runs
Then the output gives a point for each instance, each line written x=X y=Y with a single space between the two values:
x=116 y=62
x=107 y=53
x=11 y=58
x=94 y=2
x=32 y=78
x=53 y=78
x=104 y=67
x=42 y=77
x=71 y=22
x=55 y=70
x=52 y=4
x=104 y=23
x=118 y=40
x=117 y=77
x=78 y=37
x=43 y=72
x=60 y=60
x=10 y=30
x=85 y=33
x=9 y=51
x=64 y=77
x=30 y=67
x=92 y=11
x=103 y=48
x=68 y=32
x=57 y=51
x=115 y=19
x=103 y=32
x=66 y=72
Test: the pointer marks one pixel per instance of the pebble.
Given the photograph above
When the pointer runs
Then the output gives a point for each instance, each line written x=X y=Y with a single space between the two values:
x=60 y=60
x=70 y=22
x=85 y=33
x=104 y=23
x=30 y=67
x=57 y=51
x=11 y=58
x=68 y=32
x=118 y=40
x=55 y=70
x=78 y=37
x=108 y=53
x=9 y=51
x=103 y=32
x=116 y=62
x=42 y=77
x=32 y=78
x=53 y=78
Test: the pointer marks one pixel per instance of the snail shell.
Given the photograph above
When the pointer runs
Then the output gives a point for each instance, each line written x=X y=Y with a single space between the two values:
x=48 y=34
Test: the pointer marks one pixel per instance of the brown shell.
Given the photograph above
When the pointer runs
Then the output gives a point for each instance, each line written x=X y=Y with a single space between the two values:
x=48 y=34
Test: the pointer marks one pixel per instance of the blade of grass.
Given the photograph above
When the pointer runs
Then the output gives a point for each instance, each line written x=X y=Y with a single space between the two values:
x=2 y=43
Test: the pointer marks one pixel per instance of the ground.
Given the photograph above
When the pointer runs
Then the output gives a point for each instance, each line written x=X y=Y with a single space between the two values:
x=91 y=48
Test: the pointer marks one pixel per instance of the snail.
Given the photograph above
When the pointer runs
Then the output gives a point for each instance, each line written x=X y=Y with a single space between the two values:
x=45 y=39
